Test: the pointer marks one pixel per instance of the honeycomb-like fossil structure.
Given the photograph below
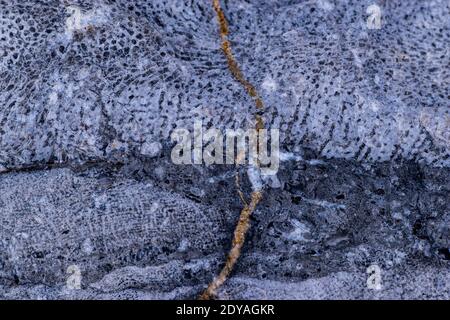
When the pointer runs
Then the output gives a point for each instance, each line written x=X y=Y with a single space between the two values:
x=90 y=92
x=84 y=81
x=97 y=225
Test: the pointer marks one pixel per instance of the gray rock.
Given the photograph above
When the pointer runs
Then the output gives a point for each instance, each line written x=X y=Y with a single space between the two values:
x=90 y=93
x=84 y=81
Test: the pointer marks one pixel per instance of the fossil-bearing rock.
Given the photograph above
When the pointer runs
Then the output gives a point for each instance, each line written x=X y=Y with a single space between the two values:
x=90 y=92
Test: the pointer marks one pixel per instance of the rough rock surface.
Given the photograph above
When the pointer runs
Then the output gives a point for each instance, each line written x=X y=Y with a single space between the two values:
x=90 y=92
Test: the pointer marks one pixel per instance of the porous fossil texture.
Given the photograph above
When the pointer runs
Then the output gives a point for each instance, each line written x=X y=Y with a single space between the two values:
x=90 y=92
x=132 y=238
x=83 y=80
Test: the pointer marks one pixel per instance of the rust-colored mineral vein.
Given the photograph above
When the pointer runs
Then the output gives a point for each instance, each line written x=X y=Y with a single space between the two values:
x=239 y=190
x=232 y=63
x=244 y=219
x=236 y=246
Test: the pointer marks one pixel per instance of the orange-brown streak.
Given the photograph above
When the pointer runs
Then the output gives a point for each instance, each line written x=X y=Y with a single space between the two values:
x=244 y=219
x=236 y=246
x=232 y=63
